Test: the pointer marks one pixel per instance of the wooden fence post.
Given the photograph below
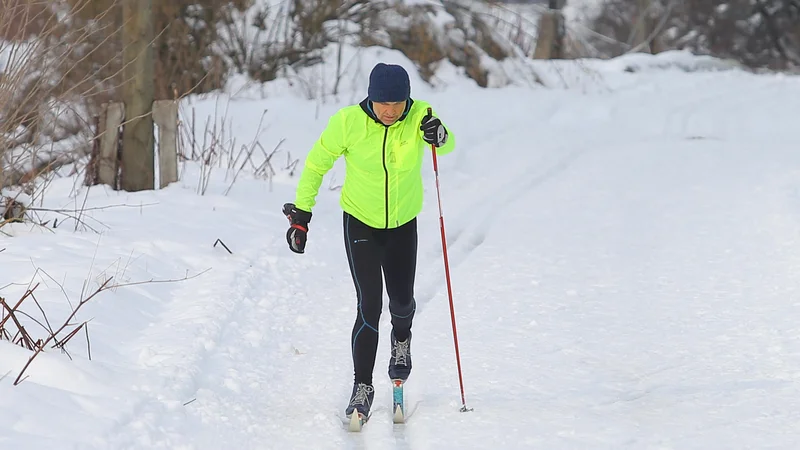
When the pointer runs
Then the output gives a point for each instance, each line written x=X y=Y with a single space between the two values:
x=550 y=40
x=165 y=115
x=90 y=178
x=108 y=161
x=2 y=176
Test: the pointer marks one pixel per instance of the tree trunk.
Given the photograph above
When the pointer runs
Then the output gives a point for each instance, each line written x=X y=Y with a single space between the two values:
x=550 y=39
x=2 y=177
x=643 y=27
x=138 y=156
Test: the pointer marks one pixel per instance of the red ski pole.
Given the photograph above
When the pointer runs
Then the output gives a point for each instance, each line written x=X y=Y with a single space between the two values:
x=447 y=275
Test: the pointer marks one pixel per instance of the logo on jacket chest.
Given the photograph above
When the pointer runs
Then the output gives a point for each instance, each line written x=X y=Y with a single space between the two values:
x=398 y=150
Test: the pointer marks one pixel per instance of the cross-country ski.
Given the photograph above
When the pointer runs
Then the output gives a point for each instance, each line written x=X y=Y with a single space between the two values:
x=356 y=421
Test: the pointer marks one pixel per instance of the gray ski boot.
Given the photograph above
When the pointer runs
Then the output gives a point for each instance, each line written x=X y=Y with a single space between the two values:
x=400 y=361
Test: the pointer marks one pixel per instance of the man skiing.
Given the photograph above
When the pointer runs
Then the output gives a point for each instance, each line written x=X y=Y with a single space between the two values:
x=383 y=140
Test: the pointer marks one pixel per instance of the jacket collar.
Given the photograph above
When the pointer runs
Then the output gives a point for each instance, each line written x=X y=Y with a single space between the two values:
x=366 y=106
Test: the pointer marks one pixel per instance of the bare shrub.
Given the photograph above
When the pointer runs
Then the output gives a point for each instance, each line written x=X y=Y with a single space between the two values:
x=60 y=60
x=415 y=37
x=11 y=210
x=271 y=41
x=186 y=59
x=757 y=33
x=624 y=26
x=468 y=40
x=288 y=36
x=219 y=150
x=13 y=330
x=46 y=86
x=17 y=324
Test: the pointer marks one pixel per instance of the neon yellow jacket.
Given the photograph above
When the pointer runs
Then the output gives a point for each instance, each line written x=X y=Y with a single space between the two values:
x=383 y=174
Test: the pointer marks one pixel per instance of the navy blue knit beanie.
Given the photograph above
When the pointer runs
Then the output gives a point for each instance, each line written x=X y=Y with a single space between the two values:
x=389 y=83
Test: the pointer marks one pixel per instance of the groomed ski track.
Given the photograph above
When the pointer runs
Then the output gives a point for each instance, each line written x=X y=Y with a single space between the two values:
x=625 y=276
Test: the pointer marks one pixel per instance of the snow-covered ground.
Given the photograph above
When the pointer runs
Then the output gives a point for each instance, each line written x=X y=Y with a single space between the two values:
x=624 y=253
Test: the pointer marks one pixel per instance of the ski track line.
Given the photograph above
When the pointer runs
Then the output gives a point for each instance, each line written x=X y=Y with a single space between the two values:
x=679 y=117
x=479 y=218
x=199 y=315
x=253 y=358
x=271 y=369
x=501 y=193
x=242 y=374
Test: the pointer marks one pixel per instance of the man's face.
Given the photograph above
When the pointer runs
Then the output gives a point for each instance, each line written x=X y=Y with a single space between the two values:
x=388 y=113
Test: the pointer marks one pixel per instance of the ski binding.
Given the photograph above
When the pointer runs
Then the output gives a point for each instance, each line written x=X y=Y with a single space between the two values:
x=398 y=407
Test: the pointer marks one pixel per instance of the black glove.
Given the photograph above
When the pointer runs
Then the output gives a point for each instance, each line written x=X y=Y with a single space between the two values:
x=297 y=233
x=435 y=132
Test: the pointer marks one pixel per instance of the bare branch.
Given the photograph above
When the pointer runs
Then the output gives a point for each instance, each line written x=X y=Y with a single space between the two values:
x=53 y=336
x=173 y=280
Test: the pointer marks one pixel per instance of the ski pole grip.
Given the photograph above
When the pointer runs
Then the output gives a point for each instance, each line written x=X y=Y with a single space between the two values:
x=430 y=113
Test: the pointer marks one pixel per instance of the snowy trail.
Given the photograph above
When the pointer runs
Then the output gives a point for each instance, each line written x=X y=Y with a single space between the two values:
x=177 y=351
x=265 y=359
x=662 y=292
x=624 y=268
x=636 y=298
x=624 y=305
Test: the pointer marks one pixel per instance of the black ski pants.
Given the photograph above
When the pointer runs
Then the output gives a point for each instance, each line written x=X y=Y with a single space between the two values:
x=375 y=256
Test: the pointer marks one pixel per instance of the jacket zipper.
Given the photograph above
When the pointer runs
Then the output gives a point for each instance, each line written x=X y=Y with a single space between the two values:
x=386 y=172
